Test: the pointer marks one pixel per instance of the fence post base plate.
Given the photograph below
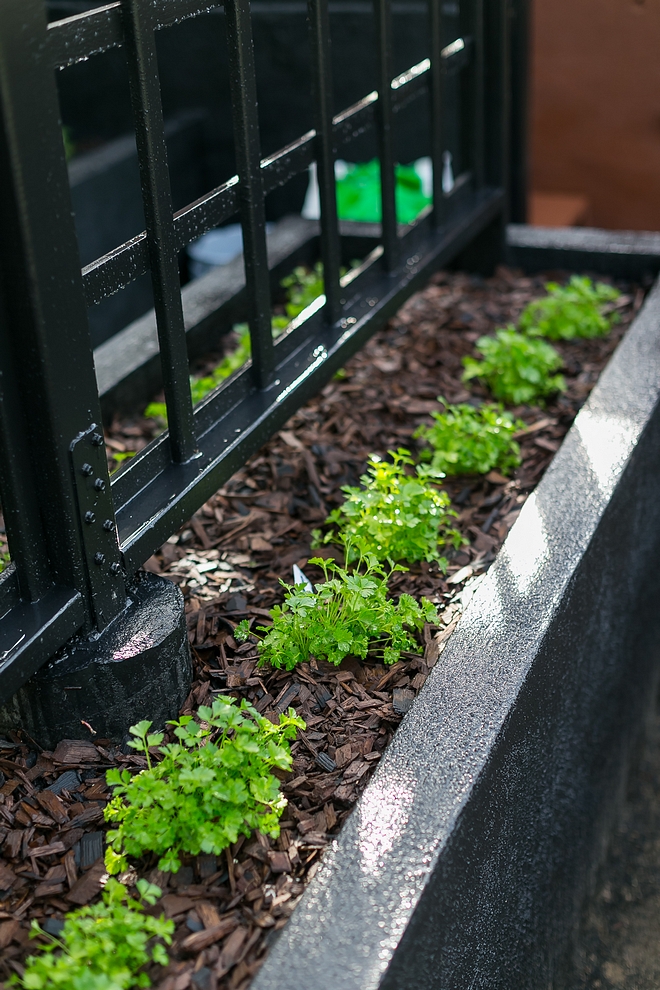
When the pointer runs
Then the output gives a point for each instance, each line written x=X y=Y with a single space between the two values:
x=138 y=667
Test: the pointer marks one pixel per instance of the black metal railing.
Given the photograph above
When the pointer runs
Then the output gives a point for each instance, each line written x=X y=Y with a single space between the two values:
x=75 y=535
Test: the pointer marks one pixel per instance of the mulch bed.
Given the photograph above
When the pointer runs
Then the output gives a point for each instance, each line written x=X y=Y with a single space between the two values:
x=228 y=562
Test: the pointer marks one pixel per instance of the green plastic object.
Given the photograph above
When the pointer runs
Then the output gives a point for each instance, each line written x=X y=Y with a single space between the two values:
x=358 y=193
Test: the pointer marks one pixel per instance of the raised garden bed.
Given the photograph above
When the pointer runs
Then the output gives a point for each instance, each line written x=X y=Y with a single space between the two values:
x=228 y=563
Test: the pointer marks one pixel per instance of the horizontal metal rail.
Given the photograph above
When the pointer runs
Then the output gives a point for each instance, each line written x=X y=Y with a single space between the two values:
x=119 y=267
x=235 y=421
x=77 y=38
x=154 y=497
x=32 y=631
x=101 y=530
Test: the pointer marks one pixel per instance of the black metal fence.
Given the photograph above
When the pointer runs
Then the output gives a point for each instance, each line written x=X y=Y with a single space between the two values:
x=74 y=535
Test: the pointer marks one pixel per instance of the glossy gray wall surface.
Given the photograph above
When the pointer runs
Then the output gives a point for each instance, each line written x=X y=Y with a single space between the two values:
x=466 y=861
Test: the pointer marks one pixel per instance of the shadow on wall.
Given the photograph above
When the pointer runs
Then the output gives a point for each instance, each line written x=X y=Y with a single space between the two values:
x=595 y=115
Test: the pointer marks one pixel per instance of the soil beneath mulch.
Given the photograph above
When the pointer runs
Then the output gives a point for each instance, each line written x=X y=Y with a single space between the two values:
x=228 y=562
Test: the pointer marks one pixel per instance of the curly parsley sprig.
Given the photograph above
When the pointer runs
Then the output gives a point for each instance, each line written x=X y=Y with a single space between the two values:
x=205 y=790
x=395 y=515
x=102 y=946
x=347 y=614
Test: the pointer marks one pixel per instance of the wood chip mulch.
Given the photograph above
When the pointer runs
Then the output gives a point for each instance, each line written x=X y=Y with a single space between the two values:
x=228 y=562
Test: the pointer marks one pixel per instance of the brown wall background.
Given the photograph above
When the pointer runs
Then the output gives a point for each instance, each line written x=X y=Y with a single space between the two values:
x=595 y=121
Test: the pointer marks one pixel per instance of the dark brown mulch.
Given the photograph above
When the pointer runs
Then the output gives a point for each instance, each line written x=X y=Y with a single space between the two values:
x=229 y=561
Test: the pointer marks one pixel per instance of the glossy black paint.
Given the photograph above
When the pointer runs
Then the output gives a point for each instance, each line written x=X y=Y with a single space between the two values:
x=319 y=31
x=139 y=24
x=138 y=668
x=58 y=556
x=49 y=394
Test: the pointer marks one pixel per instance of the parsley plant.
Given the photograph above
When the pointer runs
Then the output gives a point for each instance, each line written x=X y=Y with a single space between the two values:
x=302 y=288
x=395 y=515
x=242 y=631
x=103 y=946
x=568 y=311
x=206 y=789
x=465 y=440
x=347 y=614
x=515 y=367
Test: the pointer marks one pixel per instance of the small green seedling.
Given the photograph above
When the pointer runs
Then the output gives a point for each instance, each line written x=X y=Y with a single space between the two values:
x=5 y=561
x=347 y=614
x=242 y=631
x=231 y=363
x=104 y=946
x=469 y=440
x=303 y=287
x=208 y=788
x=396 y=515
x=516 y=368
x=578 y=309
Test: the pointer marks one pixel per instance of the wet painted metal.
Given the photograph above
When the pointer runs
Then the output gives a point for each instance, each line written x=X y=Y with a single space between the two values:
x=48 y=388
x=466 y=860
x=58 y=554
x=128 y=261
x=138 y=667
x=99 y=532
x=153 y=498
x=325 y=154
x=251 y=197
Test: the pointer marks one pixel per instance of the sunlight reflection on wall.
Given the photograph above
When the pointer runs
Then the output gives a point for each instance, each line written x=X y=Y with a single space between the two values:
x=607 y=442
x=383 y=814
x=526 y=549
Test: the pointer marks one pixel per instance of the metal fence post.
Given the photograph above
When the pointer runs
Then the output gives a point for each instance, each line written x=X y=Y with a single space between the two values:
x=46 y=328
x=519 y=151
x=59 y=504
x=54 y=480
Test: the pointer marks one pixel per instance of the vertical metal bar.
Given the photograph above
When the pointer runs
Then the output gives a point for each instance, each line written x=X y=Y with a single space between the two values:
x=385 y=136
x=18 y=484
x=437 y=108
x=158 y=214
x=245 y=115
x=497 y=90
x=48 y=387
x=325 y=154
x=518 y=155
x=478 y=99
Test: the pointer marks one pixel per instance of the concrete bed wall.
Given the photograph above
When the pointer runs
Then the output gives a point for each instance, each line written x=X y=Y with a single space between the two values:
x=467 y=859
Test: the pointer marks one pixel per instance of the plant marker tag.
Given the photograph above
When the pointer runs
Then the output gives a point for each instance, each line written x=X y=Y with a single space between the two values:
x=299 y=577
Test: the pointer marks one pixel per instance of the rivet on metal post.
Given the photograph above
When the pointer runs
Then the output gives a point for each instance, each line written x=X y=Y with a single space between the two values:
x=98 y=531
